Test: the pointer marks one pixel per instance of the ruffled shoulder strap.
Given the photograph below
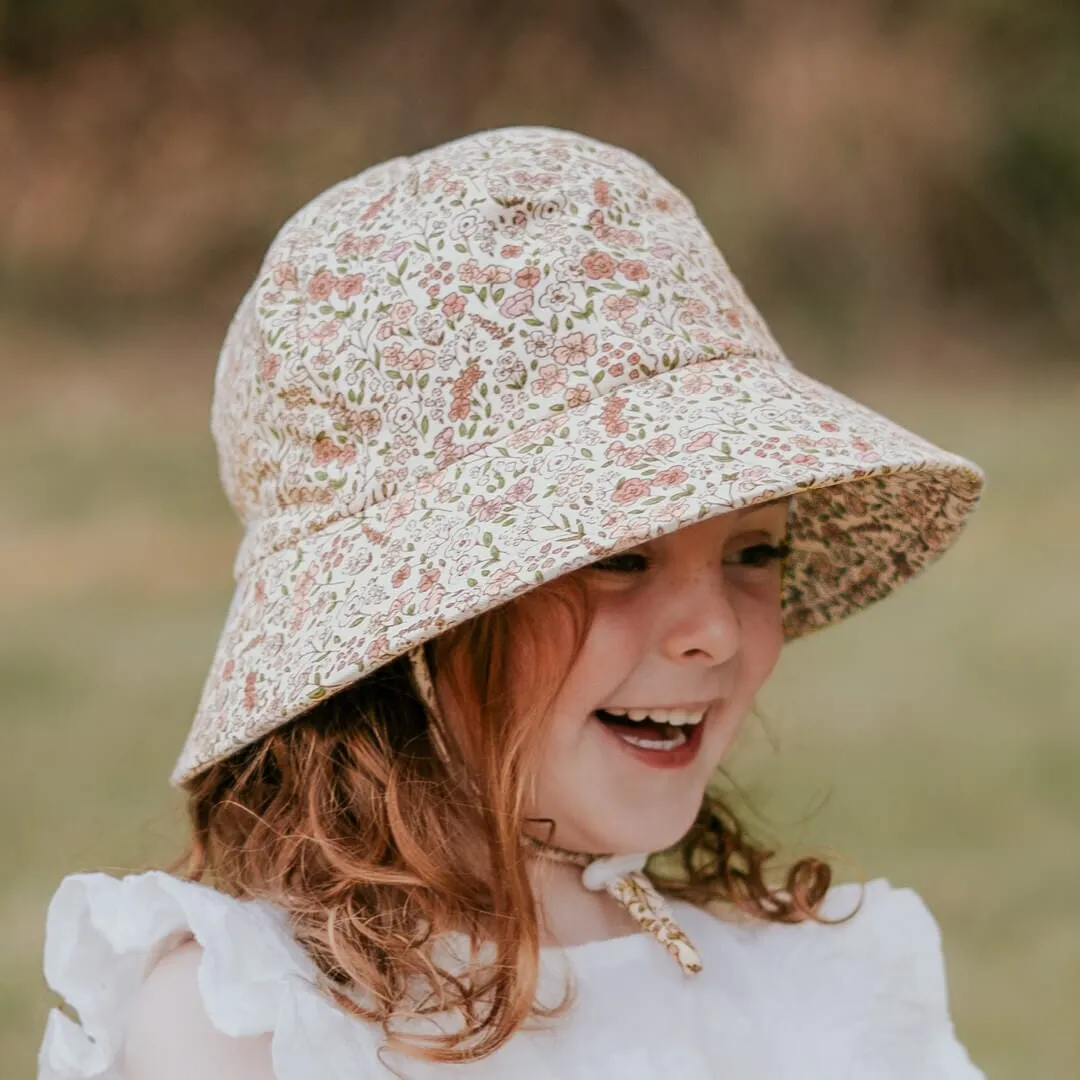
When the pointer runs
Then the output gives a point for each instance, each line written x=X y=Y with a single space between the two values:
x=104 y=934
x=879 y=983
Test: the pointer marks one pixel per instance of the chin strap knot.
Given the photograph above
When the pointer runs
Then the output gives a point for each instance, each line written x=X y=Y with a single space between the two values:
x=622 y=876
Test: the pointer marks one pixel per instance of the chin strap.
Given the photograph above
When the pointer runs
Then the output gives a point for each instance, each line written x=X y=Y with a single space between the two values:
x=621 y=876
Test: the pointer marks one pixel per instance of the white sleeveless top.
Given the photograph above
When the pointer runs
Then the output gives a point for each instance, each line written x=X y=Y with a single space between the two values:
x=865 y=1000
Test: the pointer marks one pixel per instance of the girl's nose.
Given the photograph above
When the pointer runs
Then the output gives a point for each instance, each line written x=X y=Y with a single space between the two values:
x=700 y=623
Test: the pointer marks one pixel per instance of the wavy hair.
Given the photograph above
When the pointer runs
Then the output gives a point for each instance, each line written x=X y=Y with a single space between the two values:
x=348 y=819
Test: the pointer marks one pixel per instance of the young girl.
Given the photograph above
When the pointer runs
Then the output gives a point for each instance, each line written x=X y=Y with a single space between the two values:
x=532 y=501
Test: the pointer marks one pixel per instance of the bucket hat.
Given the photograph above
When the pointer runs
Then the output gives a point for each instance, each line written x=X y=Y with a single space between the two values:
x=461 y=374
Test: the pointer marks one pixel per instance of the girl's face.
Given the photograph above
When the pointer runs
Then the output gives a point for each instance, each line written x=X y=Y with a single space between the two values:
x=691 y=619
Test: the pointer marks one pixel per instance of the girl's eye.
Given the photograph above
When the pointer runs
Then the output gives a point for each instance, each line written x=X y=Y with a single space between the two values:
x=755 y=556
x=760 y=555
x=607 y=564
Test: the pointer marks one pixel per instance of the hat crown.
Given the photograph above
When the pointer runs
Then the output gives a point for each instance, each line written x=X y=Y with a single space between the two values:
x=431 y=306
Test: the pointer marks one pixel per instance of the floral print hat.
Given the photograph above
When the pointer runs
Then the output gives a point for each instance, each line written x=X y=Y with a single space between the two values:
x=464 y=373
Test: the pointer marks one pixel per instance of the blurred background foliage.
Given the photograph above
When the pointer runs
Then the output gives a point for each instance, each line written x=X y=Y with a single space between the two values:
x=896 y=183
x=860 y=159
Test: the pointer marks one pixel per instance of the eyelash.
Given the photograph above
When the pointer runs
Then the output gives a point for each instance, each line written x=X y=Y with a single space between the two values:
x=772 y=553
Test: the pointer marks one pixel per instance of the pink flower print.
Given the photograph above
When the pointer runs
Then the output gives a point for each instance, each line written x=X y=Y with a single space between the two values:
x=434 y=598
x=419 y=360
x=321 y=359
x=575 y=396
x=498 y=581
x=228 y=669
x=510 y=251
x=370 y=244
x=692 y=310
x=346 y=455
x=483 y=509
x=285 y=275
x=699 y=442
x=434 y=176
x=616 y=369
x=804 y=459
x=598 y=265
x=369 y=421
x=661 y=445
x=321 y=285
x=634 y=269
x=628 y=238
x=675 y=475
x=428 y=580
x=402 y=311
x=576 y=348
x=620 y=307
x=539 y=344
x=527 y=277
x=557 y=296
x=399 y=576
x=393 y=354
x=516 y=305
x=391 y=254
x=734 y=320
x=662 y=251
x=347 y=246
x=549 y=379
x=626 y=456
x=324 y=450
x=630 y=490
x=696 y=382
x=325 y=331
x=601 y=191
x=260 y=591
x=268 y=365
x=378 y=647
x=518 y=490
x=453 y=305
x=829 y=425
x=376 y=206
x=611 y=418
x=350 y=286
x=496 y=275
x=386 y=329
x=249 y=690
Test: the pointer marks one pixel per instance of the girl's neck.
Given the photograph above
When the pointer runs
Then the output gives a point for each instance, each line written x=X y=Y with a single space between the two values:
x=571 y=914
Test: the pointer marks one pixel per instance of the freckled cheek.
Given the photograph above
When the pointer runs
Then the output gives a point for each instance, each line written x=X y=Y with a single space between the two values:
x=761 y=623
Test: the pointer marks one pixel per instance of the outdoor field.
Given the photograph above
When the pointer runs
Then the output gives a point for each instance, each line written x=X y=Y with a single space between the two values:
x=933 y=741
x=897 y=186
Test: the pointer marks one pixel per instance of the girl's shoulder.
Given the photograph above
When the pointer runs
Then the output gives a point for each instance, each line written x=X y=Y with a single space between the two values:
x=152 y=963
x=891 y=940
x=876 y=981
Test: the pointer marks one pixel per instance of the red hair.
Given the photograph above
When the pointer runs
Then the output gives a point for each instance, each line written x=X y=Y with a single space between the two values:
x=348 y=819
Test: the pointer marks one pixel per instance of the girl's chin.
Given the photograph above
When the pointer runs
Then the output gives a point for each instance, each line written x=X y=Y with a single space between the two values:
x=623 y=838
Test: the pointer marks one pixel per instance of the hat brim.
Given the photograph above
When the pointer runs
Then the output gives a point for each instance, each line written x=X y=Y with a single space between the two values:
x=875 y=504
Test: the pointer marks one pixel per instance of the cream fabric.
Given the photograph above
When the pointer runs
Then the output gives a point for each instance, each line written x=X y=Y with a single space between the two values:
x=866 y=999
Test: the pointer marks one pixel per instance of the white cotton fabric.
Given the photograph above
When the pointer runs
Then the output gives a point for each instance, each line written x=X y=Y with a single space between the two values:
x=863 y=1000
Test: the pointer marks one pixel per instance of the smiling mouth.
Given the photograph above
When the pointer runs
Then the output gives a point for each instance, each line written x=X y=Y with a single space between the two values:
x=654 y=742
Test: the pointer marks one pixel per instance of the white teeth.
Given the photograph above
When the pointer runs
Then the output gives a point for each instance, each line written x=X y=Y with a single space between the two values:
x=677 y=717
x=656 y=744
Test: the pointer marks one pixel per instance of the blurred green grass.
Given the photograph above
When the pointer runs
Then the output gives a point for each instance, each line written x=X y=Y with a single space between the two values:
x=933 y=740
